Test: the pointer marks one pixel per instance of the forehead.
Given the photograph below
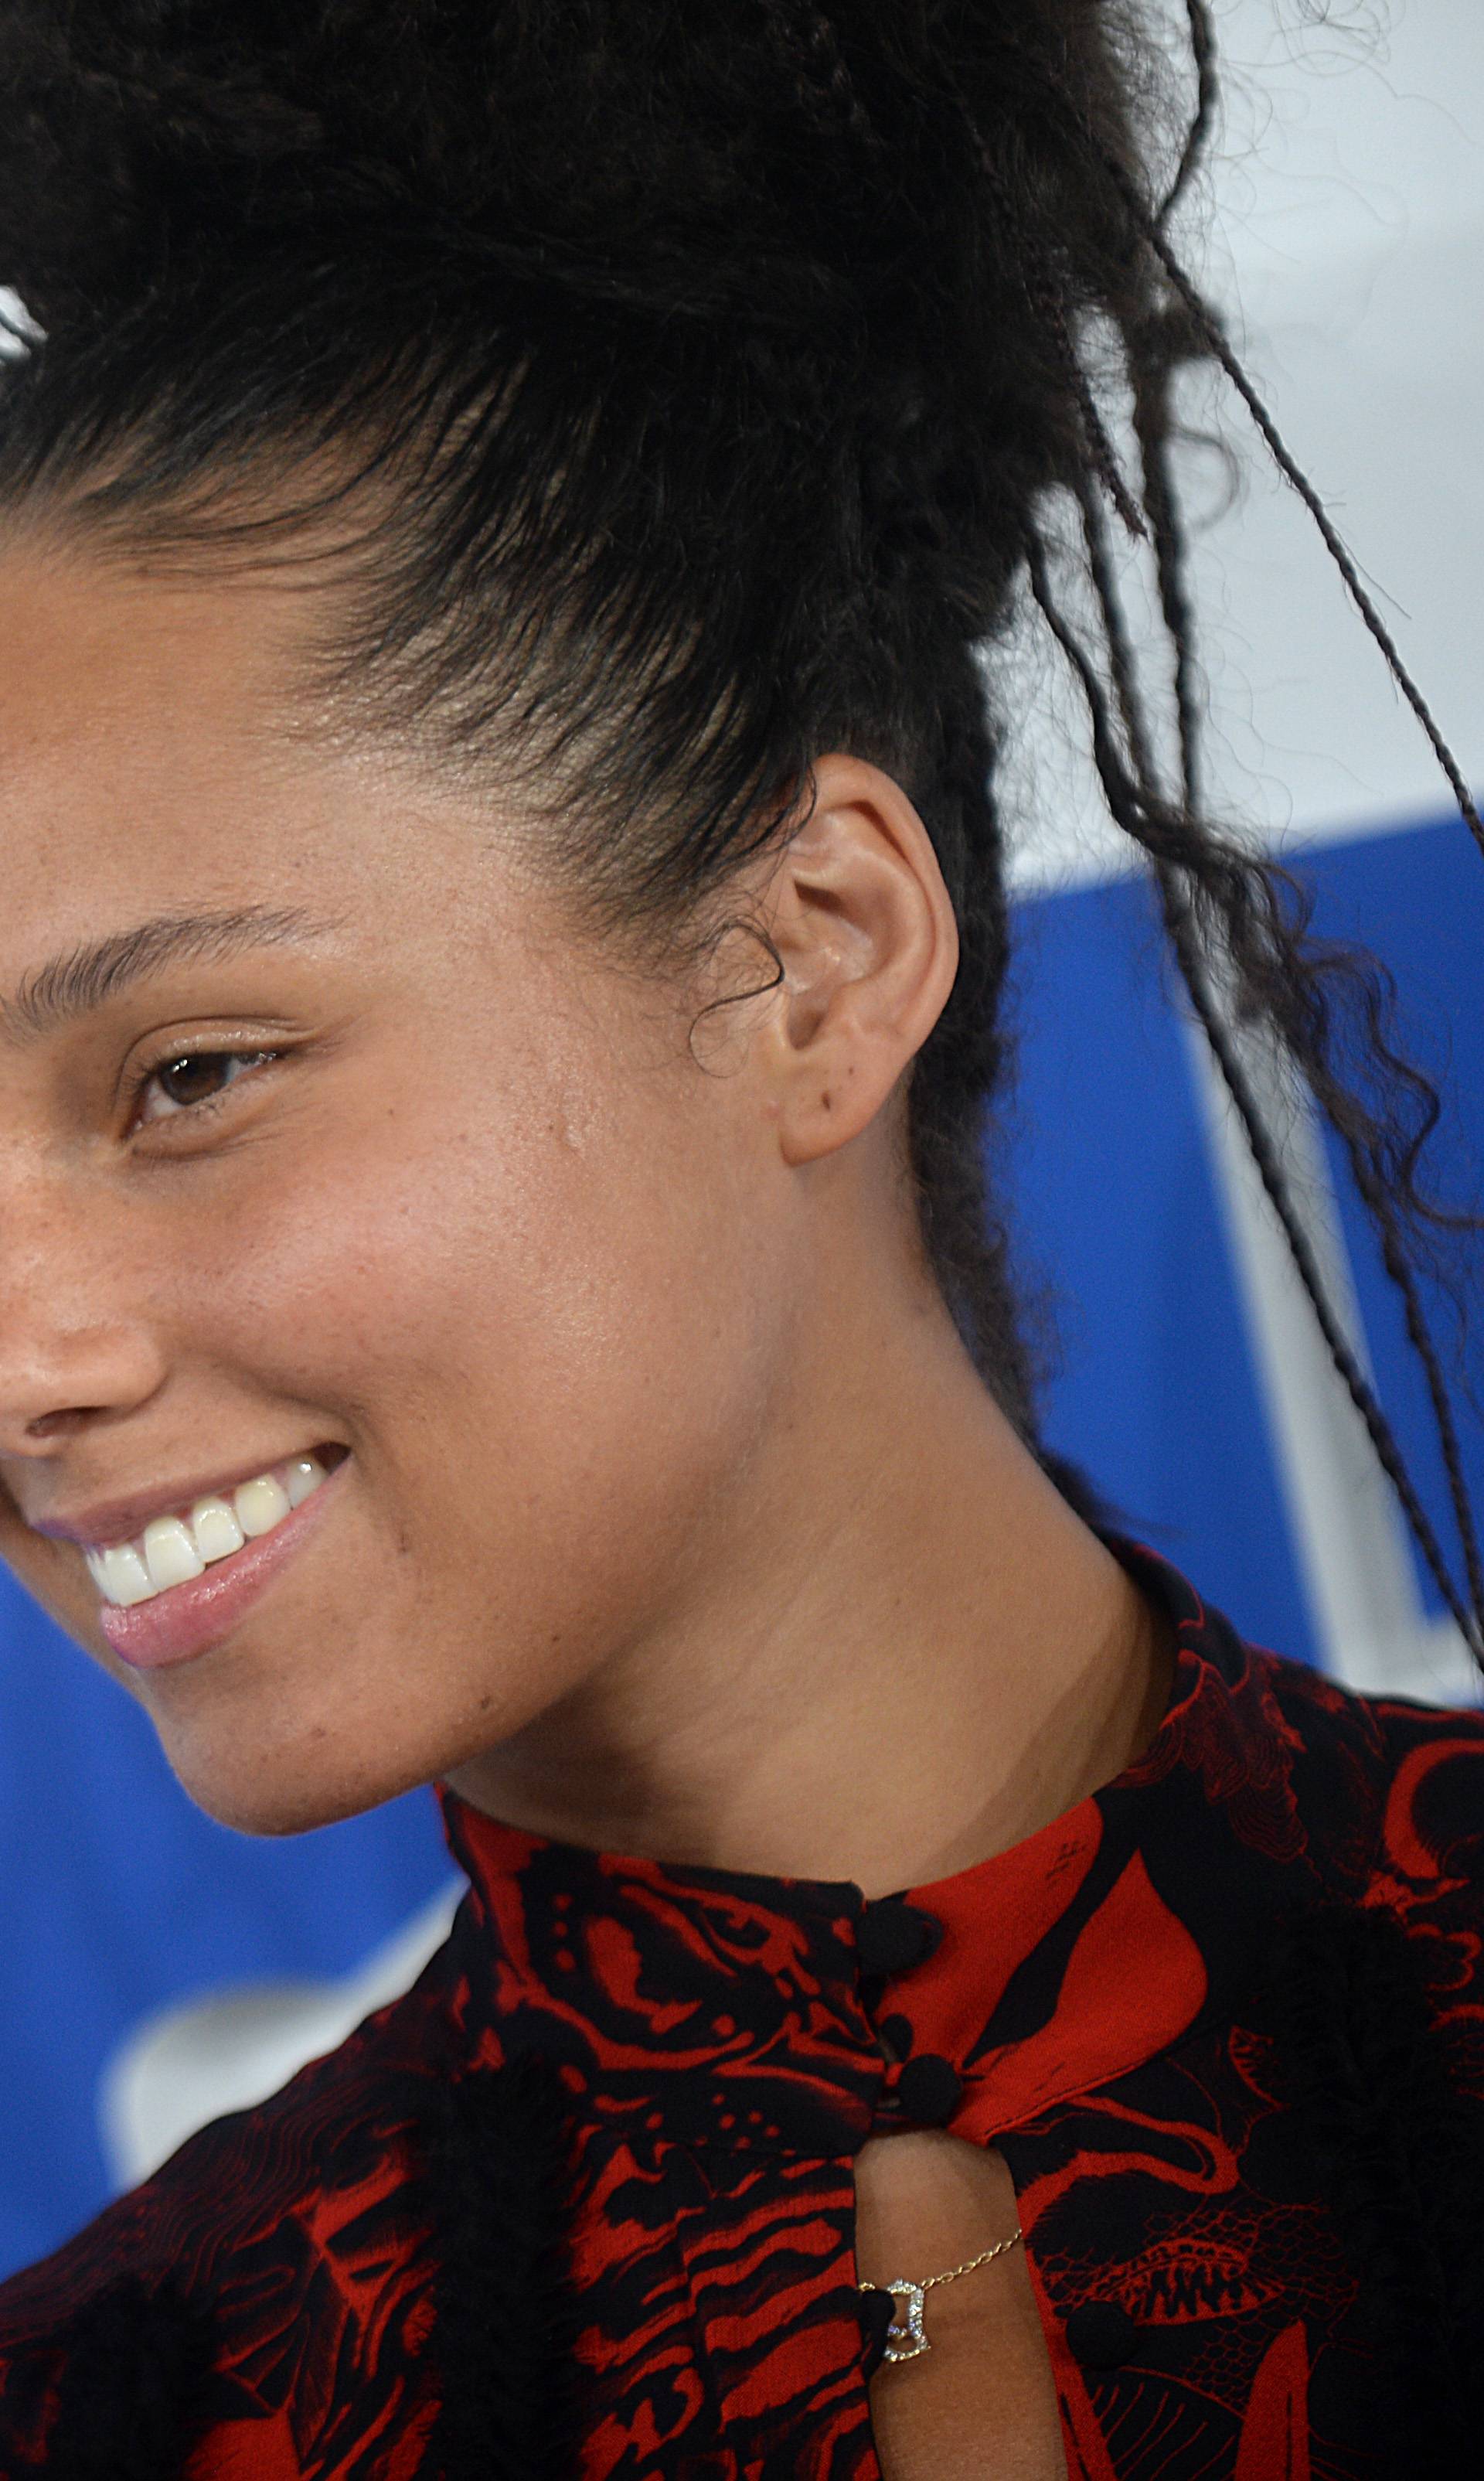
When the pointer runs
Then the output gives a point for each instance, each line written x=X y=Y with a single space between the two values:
x=152 y=748
x=109 y=657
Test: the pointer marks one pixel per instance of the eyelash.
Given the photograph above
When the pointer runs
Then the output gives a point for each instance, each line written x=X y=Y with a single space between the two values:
x=250 y=1058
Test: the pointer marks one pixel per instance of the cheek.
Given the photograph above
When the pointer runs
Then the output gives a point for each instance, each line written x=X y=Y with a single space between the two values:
x=551 y=1322
x=551 y=1337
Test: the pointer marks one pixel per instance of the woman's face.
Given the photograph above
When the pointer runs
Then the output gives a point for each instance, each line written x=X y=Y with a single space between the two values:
x=444 y=1202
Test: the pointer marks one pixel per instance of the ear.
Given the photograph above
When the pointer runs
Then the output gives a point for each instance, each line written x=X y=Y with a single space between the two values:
x=863 y=924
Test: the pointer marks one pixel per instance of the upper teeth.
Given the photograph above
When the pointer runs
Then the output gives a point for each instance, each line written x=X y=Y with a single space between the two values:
x=174 y=1548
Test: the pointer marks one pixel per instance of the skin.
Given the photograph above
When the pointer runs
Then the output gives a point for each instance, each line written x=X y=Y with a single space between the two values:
x=676 y=1519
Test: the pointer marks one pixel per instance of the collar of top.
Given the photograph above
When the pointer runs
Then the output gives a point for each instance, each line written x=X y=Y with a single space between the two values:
x=787 y=2013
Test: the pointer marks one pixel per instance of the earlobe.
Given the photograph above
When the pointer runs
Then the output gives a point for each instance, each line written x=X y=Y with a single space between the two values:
x=863 y=926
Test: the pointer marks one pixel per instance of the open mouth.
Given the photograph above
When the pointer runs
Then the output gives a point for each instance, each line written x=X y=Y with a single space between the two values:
x=186 y=1581
x=176 y=1549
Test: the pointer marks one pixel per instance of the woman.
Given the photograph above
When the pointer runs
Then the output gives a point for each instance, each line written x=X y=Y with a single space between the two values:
x=505 y=920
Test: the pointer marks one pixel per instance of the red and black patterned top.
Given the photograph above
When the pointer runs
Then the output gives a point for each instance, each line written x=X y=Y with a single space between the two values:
x=1225 y=2022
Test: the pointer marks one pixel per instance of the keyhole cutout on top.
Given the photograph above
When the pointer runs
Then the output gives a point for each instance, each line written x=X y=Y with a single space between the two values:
x=982 y=2400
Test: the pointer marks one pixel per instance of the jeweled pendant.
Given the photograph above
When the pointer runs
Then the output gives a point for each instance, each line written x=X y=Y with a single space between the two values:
x=906 y=2337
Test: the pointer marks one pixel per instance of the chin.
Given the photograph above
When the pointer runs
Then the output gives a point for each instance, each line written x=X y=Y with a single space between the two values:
x=291 y=1788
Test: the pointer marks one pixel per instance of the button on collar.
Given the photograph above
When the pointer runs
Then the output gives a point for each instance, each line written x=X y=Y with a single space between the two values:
x=1101 y=2334
x=892 y=1935
x=928 y=2089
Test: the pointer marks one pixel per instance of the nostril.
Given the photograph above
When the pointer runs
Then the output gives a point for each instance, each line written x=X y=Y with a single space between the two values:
x=62 y=1426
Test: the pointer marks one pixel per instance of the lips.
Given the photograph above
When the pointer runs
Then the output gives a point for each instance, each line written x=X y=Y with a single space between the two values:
x=176 y=1547
x=179 y=1621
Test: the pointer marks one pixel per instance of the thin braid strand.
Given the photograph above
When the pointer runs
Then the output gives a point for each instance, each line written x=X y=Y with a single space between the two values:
x=1293 y=475
x=1203 y=52
x=1151 y=423
x=1419 y=1337
x=1151 y=385
x=1127 y=804
x=1152 y=428
x=1470 y=1624
x=1120 y=648
x=1100 y=446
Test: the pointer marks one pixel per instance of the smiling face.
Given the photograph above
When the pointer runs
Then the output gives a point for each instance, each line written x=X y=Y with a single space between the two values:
x=347 y=1148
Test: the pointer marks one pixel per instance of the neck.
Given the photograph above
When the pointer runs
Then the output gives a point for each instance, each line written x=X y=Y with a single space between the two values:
x=904 y=1652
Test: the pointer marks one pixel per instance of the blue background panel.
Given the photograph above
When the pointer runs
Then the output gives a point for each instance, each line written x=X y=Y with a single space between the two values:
x=1108 y=1176
x=1416 y=902
x=121 y=1896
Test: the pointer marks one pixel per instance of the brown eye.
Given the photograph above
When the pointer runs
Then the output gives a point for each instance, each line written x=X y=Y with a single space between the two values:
x=197 y=1077
x=193 y=1081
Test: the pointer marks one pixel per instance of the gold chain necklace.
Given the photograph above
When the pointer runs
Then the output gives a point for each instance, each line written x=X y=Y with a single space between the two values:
x=906 y=2337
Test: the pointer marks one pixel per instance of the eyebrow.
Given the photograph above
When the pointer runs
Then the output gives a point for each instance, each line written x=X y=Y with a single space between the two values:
x=82 y=979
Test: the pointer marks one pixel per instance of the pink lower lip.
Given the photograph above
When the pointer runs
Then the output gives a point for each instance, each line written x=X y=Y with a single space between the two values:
x=187 y=1619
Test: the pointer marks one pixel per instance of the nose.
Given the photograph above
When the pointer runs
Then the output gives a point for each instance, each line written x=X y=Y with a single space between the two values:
x=77 y=1348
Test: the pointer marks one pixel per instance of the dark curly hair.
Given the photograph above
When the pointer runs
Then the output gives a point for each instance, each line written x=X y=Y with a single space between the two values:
x=667 y=393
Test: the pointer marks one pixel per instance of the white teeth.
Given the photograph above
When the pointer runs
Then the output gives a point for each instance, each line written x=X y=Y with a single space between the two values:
x=303 y=1475
x=170 y=1556
x=218 y=1533
x=125 y=1579
x=261 y=1504
x=171 y=1549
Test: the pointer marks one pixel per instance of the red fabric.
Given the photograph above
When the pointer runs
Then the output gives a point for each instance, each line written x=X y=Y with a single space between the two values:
x=1098 y=1991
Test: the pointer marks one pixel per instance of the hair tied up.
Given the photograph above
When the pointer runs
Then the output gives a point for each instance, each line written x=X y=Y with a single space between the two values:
x=662 y=396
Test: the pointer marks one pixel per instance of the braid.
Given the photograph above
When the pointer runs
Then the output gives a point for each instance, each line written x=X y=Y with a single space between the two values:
x=1275 y=1182
x=1157 y=344
x=1153 y=360
x=1120 y=648
x=1152 y=376
x=1203 y=53
x=1134 y=803
x=1212 y=329
x=1099 y=447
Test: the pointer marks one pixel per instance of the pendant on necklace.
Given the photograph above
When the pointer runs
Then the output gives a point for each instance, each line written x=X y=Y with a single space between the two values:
x=906 y=2337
